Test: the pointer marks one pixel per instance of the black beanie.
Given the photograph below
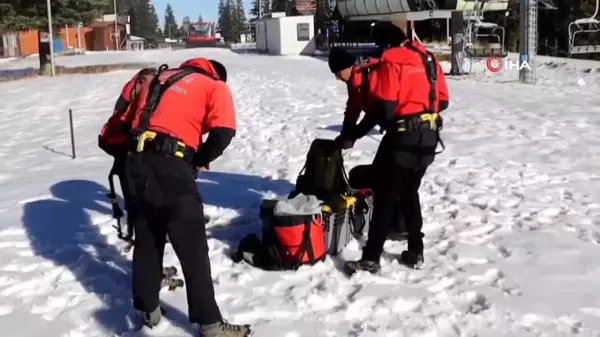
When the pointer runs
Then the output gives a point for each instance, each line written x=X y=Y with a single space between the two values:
x=220 y=69
x=386 y=35
x=339 y=59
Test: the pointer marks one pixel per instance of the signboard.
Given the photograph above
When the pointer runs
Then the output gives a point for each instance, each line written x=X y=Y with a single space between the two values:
x=303 y=31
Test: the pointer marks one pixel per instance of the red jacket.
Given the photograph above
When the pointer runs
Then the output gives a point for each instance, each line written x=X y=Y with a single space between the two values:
x=400 y=87
x=358 y=92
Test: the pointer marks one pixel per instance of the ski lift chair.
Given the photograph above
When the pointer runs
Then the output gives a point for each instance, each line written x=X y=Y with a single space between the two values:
x=487 y=40
x=589 y=25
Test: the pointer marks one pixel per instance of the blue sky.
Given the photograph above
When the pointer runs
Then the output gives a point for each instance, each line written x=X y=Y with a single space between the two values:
x=191 y=8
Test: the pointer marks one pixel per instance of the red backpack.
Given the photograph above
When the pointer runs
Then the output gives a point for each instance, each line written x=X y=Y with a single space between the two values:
x=116 y=132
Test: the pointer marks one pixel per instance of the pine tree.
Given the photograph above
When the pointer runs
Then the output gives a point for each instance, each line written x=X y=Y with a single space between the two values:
x=171 y=29
x=185 y=26
x=144 y=21
x=266 y=7
x=224 y=19
x=280 y=6
x=241 y=22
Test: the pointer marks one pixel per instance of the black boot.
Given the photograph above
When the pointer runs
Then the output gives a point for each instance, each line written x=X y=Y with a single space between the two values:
x=351 y=267
x=411 y=259
x=152 y=318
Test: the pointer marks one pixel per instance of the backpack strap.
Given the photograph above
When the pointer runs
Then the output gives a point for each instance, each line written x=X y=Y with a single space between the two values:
x=158 y=88
x=431 y=71
x=364 y=84
x=117 y=212
x=430 y=66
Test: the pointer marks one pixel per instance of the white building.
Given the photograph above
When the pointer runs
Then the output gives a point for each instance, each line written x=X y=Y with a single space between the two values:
x=286 y=35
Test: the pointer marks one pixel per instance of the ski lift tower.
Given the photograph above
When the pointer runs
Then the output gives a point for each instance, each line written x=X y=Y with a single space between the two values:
x=528 y=40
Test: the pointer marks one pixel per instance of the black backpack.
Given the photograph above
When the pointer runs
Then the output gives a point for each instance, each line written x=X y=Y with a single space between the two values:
x=323 y=174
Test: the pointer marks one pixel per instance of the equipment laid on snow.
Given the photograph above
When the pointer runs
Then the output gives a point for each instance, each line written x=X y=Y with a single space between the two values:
x=169 y=280
x=303 y=228
x=323 y=174
x=292 y=236
x=589 y=26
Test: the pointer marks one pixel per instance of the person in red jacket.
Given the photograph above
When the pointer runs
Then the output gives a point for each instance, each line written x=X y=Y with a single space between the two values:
x=355 y=72
x=175 y=109
x=352 y=71
x=407 y=93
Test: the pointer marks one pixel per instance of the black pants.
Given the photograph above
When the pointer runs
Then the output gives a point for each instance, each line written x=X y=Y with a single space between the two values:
x=363 y=176
x=399 y=166
x=120 y=169
x=169 y=203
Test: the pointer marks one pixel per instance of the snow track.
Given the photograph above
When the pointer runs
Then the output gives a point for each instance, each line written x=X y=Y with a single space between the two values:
x=511 y=211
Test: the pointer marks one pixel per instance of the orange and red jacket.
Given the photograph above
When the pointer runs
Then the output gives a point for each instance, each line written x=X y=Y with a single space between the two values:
x=196 y=104
x=357 y=94
x=400 y=87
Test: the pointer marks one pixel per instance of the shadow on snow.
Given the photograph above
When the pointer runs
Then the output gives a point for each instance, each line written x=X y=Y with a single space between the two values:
x=242 y=194
x=61 y=231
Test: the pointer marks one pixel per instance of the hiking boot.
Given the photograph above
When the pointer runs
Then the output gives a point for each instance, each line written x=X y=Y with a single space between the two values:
x=411 y=259
x=224 y=329
x=152 y=318
x=351 y=267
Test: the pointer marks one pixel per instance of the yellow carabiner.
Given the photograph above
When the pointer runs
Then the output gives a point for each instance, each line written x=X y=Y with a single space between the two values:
x=148 y=135
x=431 y=118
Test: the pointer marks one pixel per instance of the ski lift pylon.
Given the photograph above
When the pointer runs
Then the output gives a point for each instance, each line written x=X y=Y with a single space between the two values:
x=589 y=25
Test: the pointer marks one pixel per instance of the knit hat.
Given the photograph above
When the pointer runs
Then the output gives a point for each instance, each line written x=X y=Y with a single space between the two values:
x=220 y=69
x=339 y=59
x=388 y=34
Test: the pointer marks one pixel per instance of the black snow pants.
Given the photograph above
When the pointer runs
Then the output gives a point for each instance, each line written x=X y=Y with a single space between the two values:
x=399 y=166
x=169 y=203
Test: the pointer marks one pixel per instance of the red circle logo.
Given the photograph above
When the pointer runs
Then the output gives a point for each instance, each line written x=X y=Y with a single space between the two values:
x=494 y=64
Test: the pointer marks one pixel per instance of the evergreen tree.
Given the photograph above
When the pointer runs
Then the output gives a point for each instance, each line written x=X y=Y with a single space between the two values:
x=240 y=20
x=144 y=20
x=224 y=19
x=280 y=6
x=171 y=30
x=266 y=7
x=185 y=26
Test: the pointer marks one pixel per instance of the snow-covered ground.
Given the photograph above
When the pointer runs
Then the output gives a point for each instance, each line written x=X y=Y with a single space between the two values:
x=512 y=209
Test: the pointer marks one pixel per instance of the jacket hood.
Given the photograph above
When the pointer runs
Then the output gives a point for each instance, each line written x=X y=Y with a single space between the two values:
x=214 y=68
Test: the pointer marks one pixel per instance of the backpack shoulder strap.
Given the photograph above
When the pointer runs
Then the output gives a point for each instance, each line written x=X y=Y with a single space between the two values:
x=364 y=83
x=431 y=70
x=158 y=88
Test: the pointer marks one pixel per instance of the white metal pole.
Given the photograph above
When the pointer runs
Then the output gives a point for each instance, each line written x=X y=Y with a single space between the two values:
x=51 y=38
x=79 y=24
x=117 y=33
x=67 y=36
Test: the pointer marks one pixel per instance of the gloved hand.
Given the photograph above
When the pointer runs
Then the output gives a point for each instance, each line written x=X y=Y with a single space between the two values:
x=344 y=143
x=203 y=168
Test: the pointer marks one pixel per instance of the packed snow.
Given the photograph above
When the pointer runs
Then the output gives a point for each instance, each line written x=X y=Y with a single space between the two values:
x=511 y=208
